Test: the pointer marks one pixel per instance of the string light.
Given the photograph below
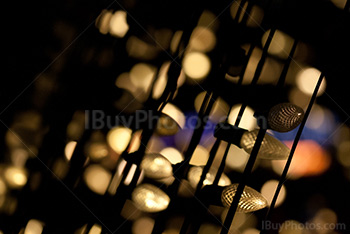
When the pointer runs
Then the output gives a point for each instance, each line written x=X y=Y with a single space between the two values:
x=250 y=201
x=149 y=198
x=271 y=148
x=156 y=166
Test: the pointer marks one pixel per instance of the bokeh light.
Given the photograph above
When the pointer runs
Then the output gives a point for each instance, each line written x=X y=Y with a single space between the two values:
x=97 y=178
x=172 y=154
x=196 y=65
x=306 y=81
x=118 y=138
x=309 y=159
x=247 y=121
x=268 y=191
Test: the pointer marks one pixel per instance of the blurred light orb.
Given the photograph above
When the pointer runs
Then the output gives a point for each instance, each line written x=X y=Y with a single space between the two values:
x=200 y=156
x=306 y=81
x=291 y=227
x=118 y=138
x=149 y=198
x=281 y=43
x=15 y=177
x=195 y=173
x=256 y=14
x=96 y=229
x=309 y=159
x=3 y=187
x=251 y=231
x=102 y=21
x=202 y=39
x=196 y=65
x=236 y=158
x=171 y=120
x=268 y=191
x=97 y=178
x=118 y=25
x=142 y=75
x=343 y=150
x=156 y=166
x=69 y=149
x=97 y=150
x=172 y=154
x=219 y=110
x=339 y=3
x=247 y=121
x=143 y=225
x=34 y=227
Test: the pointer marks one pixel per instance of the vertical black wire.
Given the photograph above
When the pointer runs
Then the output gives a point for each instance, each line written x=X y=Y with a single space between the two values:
x=294 y=146
x=247 y=171
x=244 y=105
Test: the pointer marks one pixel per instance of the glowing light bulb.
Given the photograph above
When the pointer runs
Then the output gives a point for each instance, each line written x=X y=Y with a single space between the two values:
x=195 y=173
x=270 y=148
x=285 y=117
x=156 y=166
x=250 y=201
x=149 y=198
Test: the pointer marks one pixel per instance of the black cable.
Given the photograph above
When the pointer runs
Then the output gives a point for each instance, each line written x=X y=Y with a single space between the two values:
x=294 y=146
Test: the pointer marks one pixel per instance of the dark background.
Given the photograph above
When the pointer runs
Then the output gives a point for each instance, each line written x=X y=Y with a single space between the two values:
x=58 y=39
